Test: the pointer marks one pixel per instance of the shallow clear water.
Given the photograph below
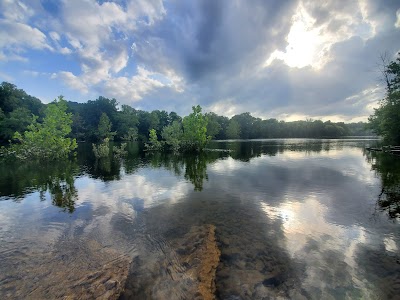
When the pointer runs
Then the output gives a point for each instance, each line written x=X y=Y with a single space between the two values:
x=301 y=219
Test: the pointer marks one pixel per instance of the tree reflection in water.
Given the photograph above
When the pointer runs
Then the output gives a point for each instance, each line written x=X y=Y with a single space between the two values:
x=387 y=166
x=56 y=177
x=194 y=165
x=62 y=191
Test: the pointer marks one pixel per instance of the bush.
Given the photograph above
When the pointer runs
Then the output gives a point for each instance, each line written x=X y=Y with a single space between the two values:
x=153 y=144
x=172 y=134
x=47 y=140
x=102 y=150
x=120 y=151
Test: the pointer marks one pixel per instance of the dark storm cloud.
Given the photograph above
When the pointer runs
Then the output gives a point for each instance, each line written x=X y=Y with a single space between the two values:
x=207 y=38
x=219 y=48
x=211 y=17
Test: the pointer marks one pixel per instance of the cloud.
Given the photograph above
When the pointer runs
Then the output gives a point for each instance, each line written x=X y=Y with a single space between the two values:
x=72 y=81
x=124 y=88
x=97 y=36
x=5 y=57
x=274 y=59
x=18 y=36
x=316 y=28
x=31 y=73
x=6 y=77
x=133 y=88
x=15 y=10
x=225 y=68
x=205 y=38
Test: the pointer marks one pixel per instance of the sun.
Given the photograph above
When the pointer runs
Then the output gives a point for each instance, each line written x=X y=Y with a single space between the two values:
x=304 y=43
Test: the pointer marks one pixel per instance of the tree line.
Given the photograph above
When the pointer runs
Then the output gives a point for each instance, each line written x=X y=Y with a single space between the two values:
x=385 y=120
x=103 y=117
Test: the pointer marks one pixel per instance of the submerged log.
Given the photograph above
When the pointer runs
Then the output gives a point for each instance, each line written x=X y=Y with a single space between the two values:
x=373 y=149
x=389 y=149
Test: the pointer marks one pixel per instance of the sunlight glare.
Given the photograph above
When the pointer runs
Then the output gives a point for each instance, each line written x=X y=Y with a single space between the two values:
x=304 y=43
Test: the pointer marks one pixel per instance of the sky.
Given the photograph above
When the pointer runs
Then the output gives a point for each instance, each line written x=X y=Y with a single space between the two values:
x=290 y=60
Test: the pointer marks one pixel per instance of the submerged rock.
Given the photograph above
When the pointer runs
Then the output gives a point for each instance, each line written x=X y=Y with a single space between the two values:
x=183 y=268
x=204 y=261
x=84 y=270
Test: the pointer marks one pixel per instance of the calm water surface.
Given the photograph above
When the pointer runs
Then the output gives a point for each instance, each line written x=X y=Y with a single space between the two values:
x=301 y=219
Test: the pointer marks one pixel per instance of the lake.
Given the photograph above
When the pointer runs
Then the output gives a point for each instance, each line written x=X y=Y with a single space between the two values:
x=283 y=218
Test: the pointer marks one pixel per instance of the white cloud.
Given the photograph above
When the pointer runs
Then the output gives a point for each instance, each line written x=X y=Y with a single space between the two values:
x=124 y=88
x=31 y=73
x=225 y=107
x=54 y=35
x=15 y=10
x=56 y=41
x=6 y=77
x=153 y=9
x=397 y=24
x=90 y=23
x=98 y=35
x=72 y=81
x=18 y=36
x=134 y=88
x=12 y=57
x=366 y=16
x=65 y=50
x=93 y=26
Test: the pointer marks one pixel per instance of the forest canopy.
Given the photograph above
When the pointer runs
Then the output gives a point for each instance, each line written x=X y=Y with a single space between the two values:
x=105 y=118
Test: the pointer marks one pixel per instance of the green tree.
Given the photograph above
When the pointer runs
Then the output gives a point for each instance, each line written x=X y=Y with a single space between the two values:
x=78 y=127
x=153 y=144
x=127 y=122
x=47 y=140
x=12 y=98
x=246 y=122
x=386 y=118
x=101 y=150
x=173 y=116
x=17 y=120
x=233 y=130
x=154 y=121
x=131 y=135
x=195 y=130
x=172 y=134
x=91 y=113
x=104 y=128
x=213 y=126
